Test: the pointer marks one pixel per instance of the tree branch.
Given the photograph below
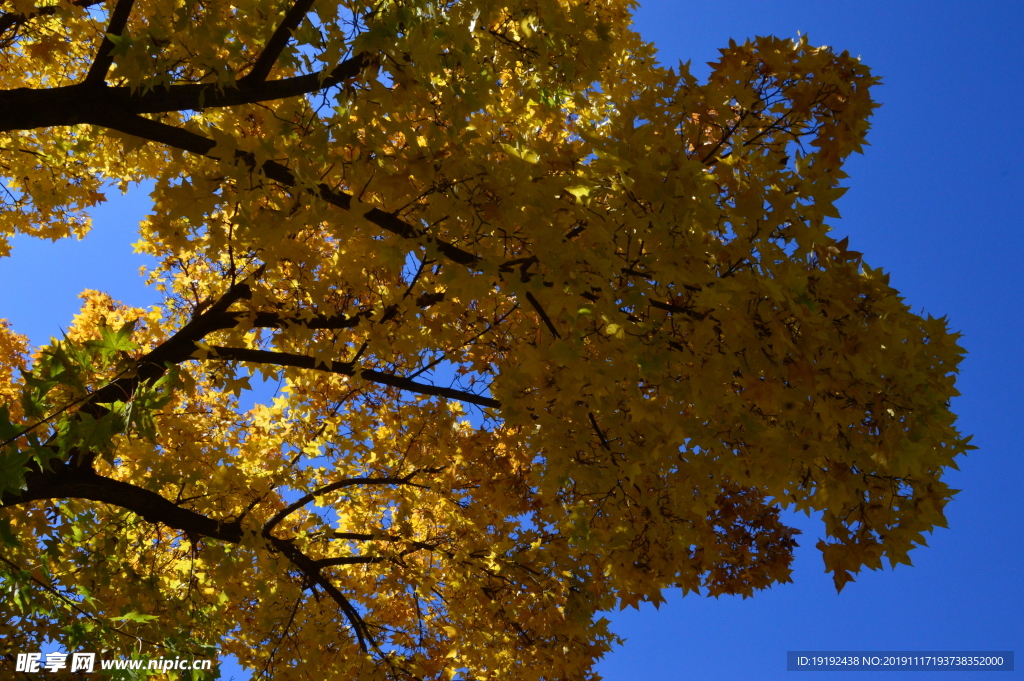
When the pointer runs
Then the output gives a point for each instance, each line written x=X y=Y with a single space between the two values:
x=349 y=560
x=671 y=307
x=274 y=320
x=9 y=19
x=180 y=347
x=414 y=546
x=198 y=144
x=68 y=481
x=725 y=138
x=30 y=109
x=597 y=429
x=282 y=34
x=347 y=369
x=105 y=55
x=311 y=570
x=535 y=304
x=195 y=96
x=116 y=109
x=174 y=350
x=327 y=489
x=100 y=624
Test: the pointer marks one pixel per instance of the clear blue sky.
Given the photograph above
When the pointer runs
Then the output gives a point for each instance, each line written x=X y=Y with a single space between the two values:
x=937 y=201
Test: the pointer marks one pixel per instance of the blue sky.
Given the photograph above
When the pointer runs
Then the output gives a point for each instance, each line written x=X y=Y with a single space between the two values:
x=937 y=201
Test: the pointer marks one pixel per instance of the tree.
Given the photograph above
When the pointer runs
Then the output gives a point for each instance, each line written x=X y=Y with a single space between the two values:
x=554 y=329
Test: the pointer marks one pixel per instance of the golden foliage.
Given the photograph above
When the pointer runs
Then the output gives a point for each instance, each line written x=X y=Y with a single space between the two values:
x=550 y=328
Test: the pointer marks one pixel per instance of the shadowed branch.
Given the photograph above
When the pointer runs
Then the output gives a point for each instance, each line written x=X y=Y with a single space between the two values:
x=282 y=34
x=105 y=55
x=347 y=369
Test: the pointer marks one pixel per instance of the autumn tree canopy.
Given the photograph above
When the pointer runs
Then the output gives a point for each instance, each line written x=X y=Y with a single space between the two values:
x=552 y=328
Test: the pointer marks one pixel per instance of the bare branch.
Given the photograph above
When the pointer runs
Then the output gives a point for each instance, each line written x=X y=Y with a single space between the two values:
x=349 y=560
x=597 y=429
x=543 y=315
x=327 y=489
x=67 y=481
x=282 y=34
x=347 y=369
x=31 y=109
x=174 y=350
x=105 y=55
x=198 y=144
x=312 y=572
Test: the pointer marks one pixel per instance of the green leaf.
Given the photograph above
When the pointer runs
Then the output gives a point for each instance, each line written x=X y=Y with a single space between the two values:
x=6 y=534
x=134 y=617
x=8 y=430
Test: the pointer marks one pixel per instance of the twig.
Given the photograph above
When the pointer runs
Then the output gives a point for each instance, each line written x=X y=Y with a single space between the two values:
x=597 y=429
x=346 y=369
x=327 y=489
x=543 y=315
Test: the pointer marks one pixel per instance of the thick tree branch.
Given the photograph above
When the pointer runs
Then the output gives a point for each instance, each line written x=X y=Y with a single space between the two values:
x=282 y=34
x=311 y=570
x=272 y=320
x=72 y=482
x=154 y=364
x=195 y=96
x=105 y=55
x=275 y=320
x=288 y=359
x=182 y=345
x=68 y=481
x=174 y=350
x=31 y=109
x=354 y=536
x=200 y=145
